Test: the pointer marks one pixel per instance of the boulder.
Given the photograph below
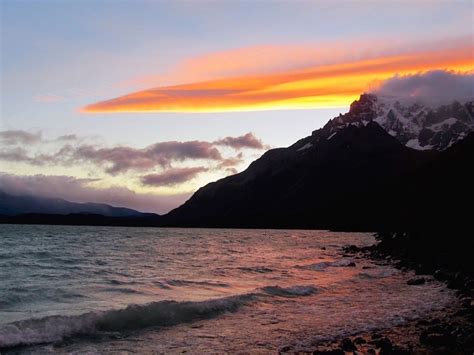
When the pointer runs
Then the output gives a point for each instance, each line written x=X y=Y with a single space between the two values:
x=348 y=345
x=329 y=352
x=437 y=339
x=416 y=281
x=360 y=340
x=384 y=344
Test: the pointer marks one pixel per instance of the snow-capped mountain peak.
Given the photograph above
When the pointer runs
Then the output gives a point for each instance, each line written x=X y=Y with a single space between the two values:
x=414 y=124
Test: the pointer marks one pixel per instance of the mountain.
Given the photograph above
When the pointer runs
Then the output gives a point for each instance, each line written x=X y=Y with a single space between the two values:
x=11 y=205
x=416 y=125
x=357 y=172
x=383 y=165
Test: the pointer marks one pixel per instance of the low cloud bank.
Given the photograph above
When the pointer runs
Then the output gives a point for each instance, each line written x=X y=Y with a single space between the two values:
x=433 y=87
x=79 y=190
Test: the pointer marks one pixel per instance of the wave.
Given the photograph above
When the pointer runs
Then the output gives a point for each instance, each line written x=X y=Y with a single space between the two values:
x=326 y=264
x=378 y=274
x=175 y=282
x=292 y=291
x=256 y=269
x=21 y=295
x=125 y=290
x=134 y=317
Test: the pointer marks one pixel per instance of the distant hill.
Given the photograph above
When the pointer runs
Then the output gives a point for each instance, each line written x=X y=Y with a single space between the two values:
x=11 y=205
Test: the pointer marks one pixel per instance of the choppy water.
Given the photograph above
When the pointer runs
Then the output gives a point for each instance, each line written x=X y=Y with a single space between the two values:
x=73 y=289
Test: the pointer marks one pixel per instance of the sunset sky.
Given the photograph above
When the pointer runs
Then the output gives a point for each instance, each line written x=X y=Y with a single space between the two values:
x=139 y=103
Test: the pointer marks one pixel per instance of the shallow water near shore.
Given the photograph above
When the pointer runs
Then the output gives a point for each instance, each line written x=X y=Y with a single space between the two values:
x=95 y=289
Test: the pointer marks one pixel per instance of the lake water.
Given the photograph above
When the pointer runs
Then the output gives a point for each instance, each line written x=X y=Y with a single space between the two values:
x=72 y=289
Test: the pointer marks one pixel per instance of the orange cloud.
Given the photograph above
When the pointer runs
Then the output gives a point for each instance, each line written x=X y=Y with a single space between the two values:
x=333 y=84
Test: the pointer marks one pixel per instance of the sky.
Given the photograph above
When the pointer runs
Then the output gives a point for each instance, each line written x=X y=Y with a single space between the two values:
x=139 y=103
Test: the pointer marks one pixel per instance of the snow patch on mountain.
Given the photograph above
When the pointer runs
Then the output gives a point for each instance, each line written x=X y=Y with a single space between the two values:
x=414 y=124
x=445 y=124
x=415 y=144
x=306 y=146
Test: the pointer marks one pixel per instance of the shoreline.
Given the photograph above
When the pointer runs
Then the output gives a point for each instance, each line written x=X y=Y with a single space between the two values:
x=446 y=331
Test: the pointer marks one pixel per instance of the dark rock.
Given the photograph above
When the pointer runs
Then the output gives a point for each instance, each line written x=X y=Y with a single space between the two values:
x=468 y=339
x=452 y=284
x=329 y=352
x=437 y=339
x=285 y=349
x=416 y=281
x=423 y=269
x=441 y=275
x=462 y=312
x=351 y=264
x=466 y=302
x=351 y=249
x=400 y=264
x=371 y=351
x=348 y=345
x=360 y=340
x=457 y=281
x=366 y=267
x=399 y=351
x=469 y=285
x=376 y=336
x=384 y=344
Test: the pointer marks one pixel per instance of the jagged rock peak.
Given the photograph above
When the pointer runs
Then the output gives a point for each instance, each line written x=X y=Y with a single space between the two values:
x=414 y=124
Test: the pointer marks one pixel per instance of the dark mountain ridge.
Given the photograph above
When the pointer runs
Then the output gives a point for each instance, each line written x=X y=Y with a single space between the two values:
x=351 y=174
x=359 y=172
x=11 y=205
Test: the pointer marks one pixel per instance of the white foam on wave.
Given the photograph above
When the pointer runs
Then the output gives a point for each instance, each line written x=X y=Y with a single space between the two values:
x=163 y=313
x=46 y=330
x=292 y=291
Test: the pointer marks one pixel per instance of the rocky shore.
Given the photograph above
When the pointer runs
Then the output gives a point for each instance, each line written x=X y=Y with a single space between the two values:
x=433 y=255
